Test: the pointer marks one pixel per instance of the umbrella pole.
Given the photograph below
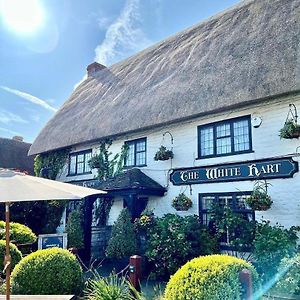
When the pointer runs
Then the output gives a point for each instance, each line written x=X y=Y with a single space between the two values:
x=7 y=260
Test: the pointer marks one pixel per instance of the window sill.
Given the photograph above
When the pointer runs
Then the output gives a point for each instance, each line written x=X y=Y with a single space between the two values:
x=137 y=166
x=225 y=155
x=79 y=174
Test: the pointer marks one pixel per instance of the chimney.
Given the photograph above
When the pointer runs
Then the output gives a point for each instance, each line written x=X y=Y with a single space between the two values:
x=93 y=68
x=18 y=138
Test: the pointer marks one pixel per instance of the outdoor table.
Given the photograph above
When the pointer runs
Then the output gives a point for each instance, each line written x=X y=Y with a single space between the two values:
x=39 y=297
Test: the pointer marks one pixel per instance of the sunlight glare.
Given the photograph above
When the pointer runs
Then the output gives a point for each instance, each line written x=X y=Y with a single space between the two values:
x=22 y=16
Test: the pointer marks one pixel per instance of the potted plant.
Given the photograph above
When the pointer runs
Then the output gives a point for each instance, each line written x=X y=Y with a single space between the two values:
x=259 y=199
x=182 y=202
x=163 y=154
x=290 y=130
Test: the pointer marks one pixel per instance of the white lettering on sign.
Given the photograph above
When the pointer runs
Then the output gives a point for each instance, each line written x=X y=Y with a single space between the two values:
x=189 y=175
x=268 y=169
x=216 y=173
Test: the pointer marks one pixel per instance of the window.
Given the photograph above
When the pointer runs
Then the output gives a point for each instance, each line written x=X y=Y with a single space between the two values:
x=212 y=210
x=78 y=162
x=225 y=138
x=136 y=155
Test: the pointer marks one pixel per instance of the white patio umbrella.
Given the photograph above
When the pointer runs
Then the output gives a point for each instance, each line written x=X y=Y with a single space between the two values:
x=18 y=187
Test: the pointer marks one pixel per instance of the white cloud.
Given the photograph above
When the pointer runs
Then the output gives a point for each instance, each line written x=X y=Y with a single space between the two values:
x=123 y=37
x=7 y=117
x=30 y=98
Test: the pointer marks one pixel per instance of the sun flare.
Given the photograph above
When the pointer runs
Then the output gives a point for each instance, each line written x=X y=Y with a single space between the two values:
x=22 y=16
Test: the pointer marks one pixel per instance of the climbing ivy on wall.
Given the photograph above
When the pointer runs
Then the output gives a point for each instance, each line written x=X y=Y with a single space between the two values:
x=49 y=165
x=106 y=166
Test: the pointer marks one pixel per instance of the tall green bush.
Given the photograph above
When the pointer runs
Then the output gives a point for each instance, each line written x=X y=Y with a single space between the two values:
x=19 y=234
x=123 y=239
x=51 y=271
x=212 y=277
x=289 y=276
x=174 y=240
x=16 y=255
x=272 y=243
x=74 y=230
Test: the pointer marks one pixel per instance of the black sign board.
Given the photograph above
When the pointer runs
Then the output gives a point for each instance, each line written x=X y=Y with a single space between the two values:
x=52 y=240
x=250 y=170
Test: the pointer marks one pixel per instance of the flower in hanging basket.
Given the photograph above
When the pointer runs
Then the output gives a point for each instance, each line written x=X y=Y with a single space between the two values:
x=182 y=202
x=259 y=199
x=290 y=130
x=163 y=154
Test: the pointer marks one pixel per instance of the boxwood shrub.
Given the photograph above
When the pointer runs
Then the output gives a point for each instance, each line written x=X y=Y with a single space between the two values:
x=19 y=234
x=16 y=255
x=51 y=271
x=209 y=277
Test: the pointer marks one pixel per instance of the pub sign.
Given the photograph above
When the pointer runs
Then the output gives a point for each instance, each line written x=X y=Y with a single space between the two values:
x=250 y=170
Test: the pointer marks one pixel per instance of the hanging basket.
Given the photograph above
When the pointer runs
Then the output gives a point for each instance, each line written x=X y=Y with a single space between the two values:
x=259 y=200
x=182 y=202
x=163 y=154
x=290 y=130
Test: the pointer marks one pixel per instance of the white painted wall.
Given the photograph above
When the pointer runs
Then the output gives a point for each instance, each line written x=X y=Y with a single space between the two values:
x=285 y=193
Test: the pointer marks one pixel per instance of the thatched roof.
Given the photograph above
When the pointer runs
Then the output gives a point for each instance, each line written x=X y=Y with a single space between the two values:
x=237 y=57
x=13 y=155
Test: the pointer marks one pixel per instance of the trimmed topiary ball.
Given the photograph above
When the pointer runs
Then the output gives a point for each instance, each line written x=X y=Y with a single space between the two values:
x=52 y=271
x=15 y=253
x=19 y=233
x=211 y=277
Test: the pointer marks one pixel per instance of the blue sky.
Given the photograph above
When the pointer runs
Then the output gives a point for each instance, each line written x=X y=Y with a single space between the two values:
x=39 y=69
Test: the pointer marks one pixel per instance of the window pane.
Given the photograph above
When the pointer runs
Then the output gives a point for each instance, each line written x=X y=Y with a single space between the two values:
x=223 y=145
x=88 y=156
x=241 y=135
x=141 y=146
x=72 y=164
x=207 y=202
x=223 y=130
x=130 y=155
x=80 y=158
x=141 y=158
x=80 y=166
x=207 y=141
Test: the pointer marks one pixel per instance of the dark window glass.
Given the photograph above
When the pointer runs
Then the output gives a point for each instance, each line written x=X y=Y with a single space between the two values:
x=78 y=162
x=136 y=155
x=225 y=138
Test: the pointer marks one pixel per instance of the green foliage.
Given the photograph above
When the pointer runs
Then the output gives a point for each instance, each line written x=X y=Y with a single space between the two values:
x=163 y=154
x=271 y=245
x=108 y=288
x=40 y=216
x=102 y=209
x=74 y=230
x=182 y=202
x=145 y=221
x=174 y=240
x=259 y=199
x=19 y=234
x=290 y=130
x=289 y=283
x=16 y=255
x=108 y=167
x=52 y=271
x=213 y=277
x=50 y=164
x=239 y=230
x=123 y=240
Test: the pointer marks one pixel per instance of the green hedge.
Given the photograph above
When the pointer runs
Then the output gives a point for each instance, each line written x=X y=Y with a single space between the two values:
x=19 y=234
x=210 y=277
x=174 y=240
x=16 y=255
x=52 y=271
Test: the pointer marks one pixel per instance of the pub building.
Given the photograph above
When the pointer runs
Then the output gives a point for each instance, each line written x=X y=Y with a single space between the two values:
x=216 y=94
